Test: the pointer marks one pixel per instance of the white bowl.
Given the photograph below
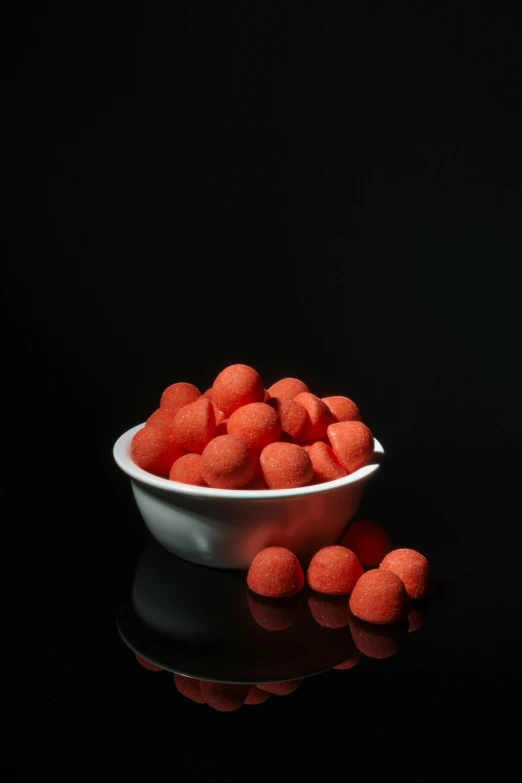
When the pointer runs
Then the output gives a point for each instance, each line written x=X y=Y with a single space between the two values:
x=226 y=528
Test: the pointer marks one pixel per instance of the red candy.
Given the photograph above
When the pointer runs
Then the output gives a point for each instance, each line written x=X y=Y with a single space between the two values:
x=189 y=687
x=329 y=611
x=318 y=417
x=379 y=597
x=291 y=414
x=287 y=387
x=280 y=688
x=412 y=568
x=258 y=482
x=352 y=443
x=187 y=470
x=256 y=695
x=161 y=418
x=151 y=667
x=155 y=450
x=223 y=696
x=178 y=395
x=220 y=416
x=208 y=394
x=275 y=573
x=273 y=615
x=257 y=423
x=334 y=570
x=368 y=540
x=342 y=408
x=375 y=641
x=285 y=465
x=235 y=386
x=349 y=663
x=228 y=462
x=325 y=464
x=195 y=425
x=221 y=428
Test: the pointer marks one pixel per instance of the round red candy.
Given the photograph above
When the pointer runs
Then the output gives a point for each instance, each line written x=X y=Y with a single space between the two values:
x=291 y=414
x=325 y=464
x=412 y=568
x=235 y=386
x=342 y=408
x=329 y=611
x=281 y=688
x=368 y=540
x=334 y=570
x=155 y=450
x=379 y=597
x=151 y=667
x=161 y=417
x=287 y=387
x=228 y=462
x=178 y=395
x=285 y=466
x=256 y=695
x=318 y=417
x=189 y=687
x=224 y=697
x=195 y=425
x=257 y=423
x=187 y=470
x=275 y=573
x=352 y=443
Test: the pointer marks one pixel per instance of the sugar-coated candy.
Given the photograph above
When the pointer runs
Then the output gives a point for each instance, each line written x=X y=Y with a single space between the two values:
x=318 y=417
x=291 y=414
x=352 y=443
x=285 y=465
x=162 y=417
x=177 y=395
x=155 y=450
x=151 y=667
x=187 y=470
x=379 y=597
x=368 y=539
x=189 y=687
x=412 y=568
x=334 y=570
x=342 y=408
x=195 y=425
x=287 y=387
x=228 y=462
x=223 y=696
x=257 y=423
x=235 y=386
x=325 y=464
x=275 y=572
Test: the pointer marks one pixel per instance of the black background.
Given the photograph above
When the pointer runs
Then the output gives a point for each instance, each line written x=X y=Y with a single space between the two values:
x=330 y=191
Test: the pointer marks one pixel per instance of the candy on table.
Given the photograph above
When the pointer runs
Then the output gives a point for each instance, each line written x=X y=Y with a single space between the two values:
x=273 y=615
x=379 y=597
x=256 y=695
x=275 y=572
x=329 y=611
x=151 y=667
x=368 y=540
x=349 y=663
x=352 y=443
x=287 y=387
x=281 y=688
x=334 y=570
x=235 y=386
x=177 y=395
x=342 y=408
x=325 y=464
x=187 y=470
x=189 y=687
x=412 y=568
x=257 y=423
x=195 y=425
x=375 y=641
x=228 y=462
x=318 y=417
x=285 y=465
x=155 y=450
x=291 y=414
x=224 y=697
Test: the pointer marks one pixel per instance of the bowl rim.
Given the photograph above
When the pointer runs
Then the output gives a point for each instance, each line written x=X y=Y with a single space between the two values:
x=121 y=454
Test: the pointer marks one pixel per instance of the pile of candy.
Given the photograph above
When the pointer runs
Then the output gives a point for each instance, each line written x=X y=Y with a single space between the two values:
x=240 y=435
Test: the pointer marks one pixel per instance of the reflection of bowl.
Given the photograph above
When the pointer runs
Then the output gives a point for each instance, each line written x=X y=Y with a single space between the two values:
x=226 y=528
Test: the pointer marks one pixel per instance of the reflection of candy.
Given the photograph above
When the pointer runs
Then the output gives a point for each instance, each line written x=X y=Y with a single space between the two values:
x=155 y=450
x=342 y=408
x=352 y=443
x=379 y=597
x=195 y=425
x=285 y=465
x=161 y=418
x=318 y=417
x=287 y=387
x=178 y=395
x=189 y=687
x=228 y=462
x=151 y=667
x=280 y=688
x=412 y=568
x=415 y=620
x=235 y=386
x=273 y=615
x=375 y=641
x=257 y=423
x=334 y=570
x=256 y=695
x=325 y=463
x=291 y=414
x=350 y=662
x=223 y=696
x=187 y=470
x=368 y=539
x=329 y=611
x=275 y=573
